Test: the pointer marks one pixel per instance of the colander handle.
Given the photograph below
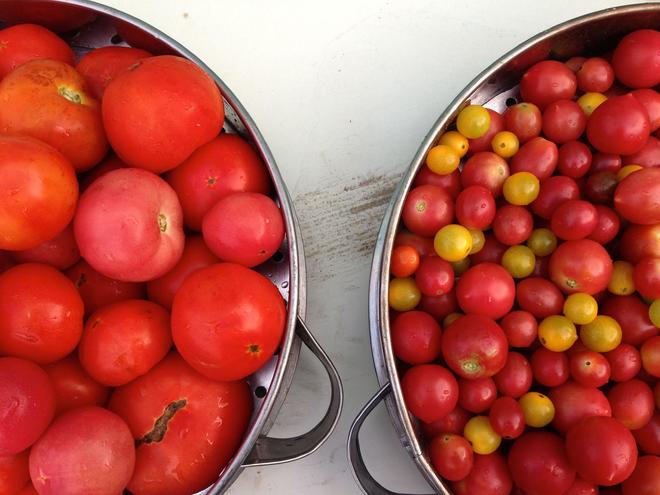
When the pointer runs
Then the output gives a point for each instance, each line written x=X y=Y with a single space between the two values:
x=360 y=472
x=268 y=450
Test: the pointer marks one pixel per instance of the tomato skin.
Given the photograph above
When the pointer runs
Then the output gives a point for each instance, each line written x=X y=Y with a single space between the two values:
x=539 y=464
x=625 y=362
x=24 y=42
x=73 y=386
x=512 y=225
x=645 y=479
x=540 y=297
x=427 y=209
x=28 y=406
x=574 y=402
x=620 y=125
x=563 y=121
x=574 y=159
x=439 y=306
x=538 y=156
x=589 y=368
x=632 y=403
x=507 y=418
x=450 y=182
x=101 y=65
x=475 y=207
x=423 y=245
x=135 y=100
x=60 y=252
x=492 y=252
x=476 y=395
x=489 y=476
x=434 y=277
x=640 y=241
x=646 y=276
x=574 y=219
x=14 y=472
x=41 y=313
x=650 y=100
x=451 y=456
x=648 y=156
x=483 y=143
x=416 y=337
x=581 y=266
x=582 y=487
x=485 y=169
x=554 y=191
x=550 y=368
x=430 y=392
x=596 y=75
x=633 y=316
x=636 y=59
x=515 y=378
x=97 y=290
x=607 y=225
x=602 y=450
x=520 y=328
x=600 y=187
x=47 y=193
x=650 y=354
x=648 y=436
x=605 y=162
x=225 y=165
x=404 y=261
x=486 y=289
x=474 y=346
x=238 y=317
x=635 y=198
x=454 y=423
x=524 y=120
x=547 y=81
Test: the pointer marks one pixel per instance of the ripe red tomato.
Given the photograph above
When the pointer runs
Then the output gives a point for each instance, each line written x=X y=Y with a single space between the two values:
x=596 y=75
x=97 y=290
x=636 y=197
x=474 y=346
x=619 y=125
x=650 y=355
x=486 y=289
x=547 y=81
x=47 y=100
x=225 y=165
x=476 y=395
x=625 y=362
x=582 y=487
x=14 y=472
x=537 y=156
x=550 y=368
x=640 y=241
x=647 y=437
x=636 y=59
x=434 y=277
x=483 y=143
x=492 y=252
x=451 y=456
x=227 y=321
x=607 y=225
x=475 y=207
x=581 y=266
x=553 y=192
x=27 y=406
x=589 y=368
x=520 y=327
x=102 y=467
x=129 y=225
x=574 y=159
x=245 y=228
x=73 y=386
x=25 y=42
x=427 y=209
x=632 y=403
x=602 y=450
x=605 y=162
x=647 y=277
x=648 y=156
x=650 y=100
x=515 y=379
x=450 y=182
x=136 y=99
x=439 y=306
x=416 y=337
x=512 y=225
x=60 y=252
x=506 y=418
x=600 y=187
x=539 y=464
x=574 y=402
x=454 y=422
x=633 y=317
x=39 y=193
x=563 y=121
x=423 y=245
x=489 y=476
x=101 y=65
x=430 y=392
x=485 y=169
x=41 y=313
x=574 y=219
x=524 y=120
x=181 y=419
x=540 y=297
x=124 y=340
x=645 y=479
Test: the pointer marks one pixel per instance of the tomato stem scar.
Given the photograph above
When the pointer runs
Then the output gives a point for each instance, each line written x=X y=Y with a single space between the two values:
x=162 y=222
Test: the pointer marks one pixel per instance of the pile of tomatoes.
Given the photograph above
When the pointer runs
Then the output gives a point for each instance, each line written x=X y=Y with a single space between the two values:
x=525 y=294
x=130 y=315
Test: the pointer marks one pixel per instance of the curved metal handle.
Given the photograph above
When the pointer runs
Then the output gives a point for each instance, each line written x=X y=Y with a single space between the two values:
x=360 y=472
x=269 y=450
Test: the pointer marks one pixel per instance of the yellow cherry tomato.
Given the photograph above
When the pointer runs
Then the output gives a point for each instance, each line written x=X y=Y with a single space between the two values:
x=601 y=335
x=450 y=318
x=590 y=101
x=442 y=159
x=519 y=261
x=542 y=242
x=622 y=283
x=404 y=294
x=460 y=266
x=654 y=312
x=453 y=242
x=557 y=333
x=456 y=141
x=521 y=188
x=481 y=435
x=473 y=121
x=581 y=308
x=478 y=240
x=505 y=144
x=626 y=171
x=538 y=409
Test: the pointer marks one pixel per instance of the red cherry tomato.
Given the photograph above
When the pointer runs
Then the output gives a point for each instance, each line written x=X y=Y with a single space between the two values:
x=450 y=182
x=589 y=368
x=596 y=75
x=650 y=100
x=632 y=403
x=430 y=392
x=648 y=436
x=435 y=276
x=403 y=263
x=636 y=197
x=14 y=472
x=570 y=271
x=563 y=121
x=625 y=362
x=605 y=162
x=574 y=219
x=451 y=456
x=645 y=479
x=512 y=225
x=489 y=476
x=540 y=297
x=547 y=81
x=427 y=209
x=520 y=327
x=648 y=156
x=553 y=192
x=483 y=143
x=574 y=159
x=485 y=169
x=633 y=317
x=423 y=245
x=607 y=225
x=619 y=125
x=574 y=402
x=506 y=418
x=524 y=120
x=475 y=207
x=600 y=187
x=439 y=306
x=550 y=368
x=476 y=395
x=650 y=355
x=486 y=289
x=515 y=379
x=454 y=422
x=537 y=156
x=416 y=337
x=640 y=241
x=636 y=59
x=492 y=252
x=647 y=277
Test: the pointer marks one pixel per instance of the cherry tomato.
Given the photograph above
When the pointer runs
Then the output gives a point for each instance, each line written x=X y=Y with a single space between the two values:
x=404 y=294
x=626 y=171
x=454 y=423
x=483 y=439
x=636 y=59
x=605 y=162
x=427 y=209
x=600 y=187
x=439 y=306
x=452 y=242
x=505 y=144
x=537 y=409
x=456 y=141
x=580 y=308
x=589 y=368
x=607 y=226
x=574 y=402
x=520 y=328
x=650 y=100
x=489 y=476
x=595 y=75
x=491 y=252
x=557 y=333
x=486 y=289
x=450 y=183
x=553 y=192
x=571 y=273
x=540 y=297
x=640 y=241
x=591 y=101
x=582 y=487
x=550 y=368
x=632 y=403
x=654 y=312
x=645 y=478
x=404 y=261
x=632 y=316
x=416 y=338
x=647 y=437
x=485 y=169
x=521 y=188
x=519 y=261
x=483 y=143
x=423 y=245
x=476 y=395
x=542 y=242
x=515 y=378
x=512 y=225
x=537 y=156
x=547 y=81
x=524 y=120
x=648 y=156
x=636 y=196
x=625 y=362
x=442 y=159
x=574 y=159
x=478 y=241
x=622 y=282
x=434 y=276
x=650 y=354
x=473 y=121
x=619 y=125
x=563 y=121
x=603 y=334
x=430 y=392
x=646 y=277
x=14 y=472
x=475 y=207
x=506 y=418
x=575 y=63
x=451 y=456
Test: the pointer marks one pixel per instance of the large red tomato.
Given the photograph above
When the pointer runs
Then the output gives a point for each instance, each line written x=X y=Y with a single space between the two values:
x=41 y=313
x=636 y=60
x=86 y=450
x=47 y=99
x=136 y=100
x=636 y=197
x=486 y=289
x=474 y=346
x=38 y=193
x=620 y=125
x=182 y=420
x=581 y=266
x=227 y=321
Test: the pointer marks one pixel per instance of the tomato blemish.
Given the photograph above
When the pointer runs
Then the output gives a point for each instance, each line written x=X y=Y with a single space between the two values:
x=70 y=94
x=210 y=182
x=253 y=350
x=162 y=222
x=160 y=425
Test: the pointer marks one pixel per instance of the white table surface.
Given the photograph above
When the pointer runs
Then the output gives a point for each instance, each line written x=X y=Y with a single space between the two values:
x=344 y=91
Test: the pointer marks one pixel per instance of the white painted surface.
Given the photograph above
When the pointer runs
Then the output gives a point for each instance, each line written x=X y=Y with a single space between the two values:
x=344 y=91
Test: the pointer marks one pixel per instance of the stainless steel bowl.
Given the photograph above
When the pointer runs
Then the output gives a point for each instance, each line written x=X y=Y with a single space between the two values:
x=496 y=87
x=88 y=25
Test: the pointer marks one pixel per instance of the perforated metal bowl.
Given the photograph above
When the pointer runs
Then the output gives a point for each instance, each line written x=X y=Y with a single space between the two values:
x=88 y=25
x=495 y=88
